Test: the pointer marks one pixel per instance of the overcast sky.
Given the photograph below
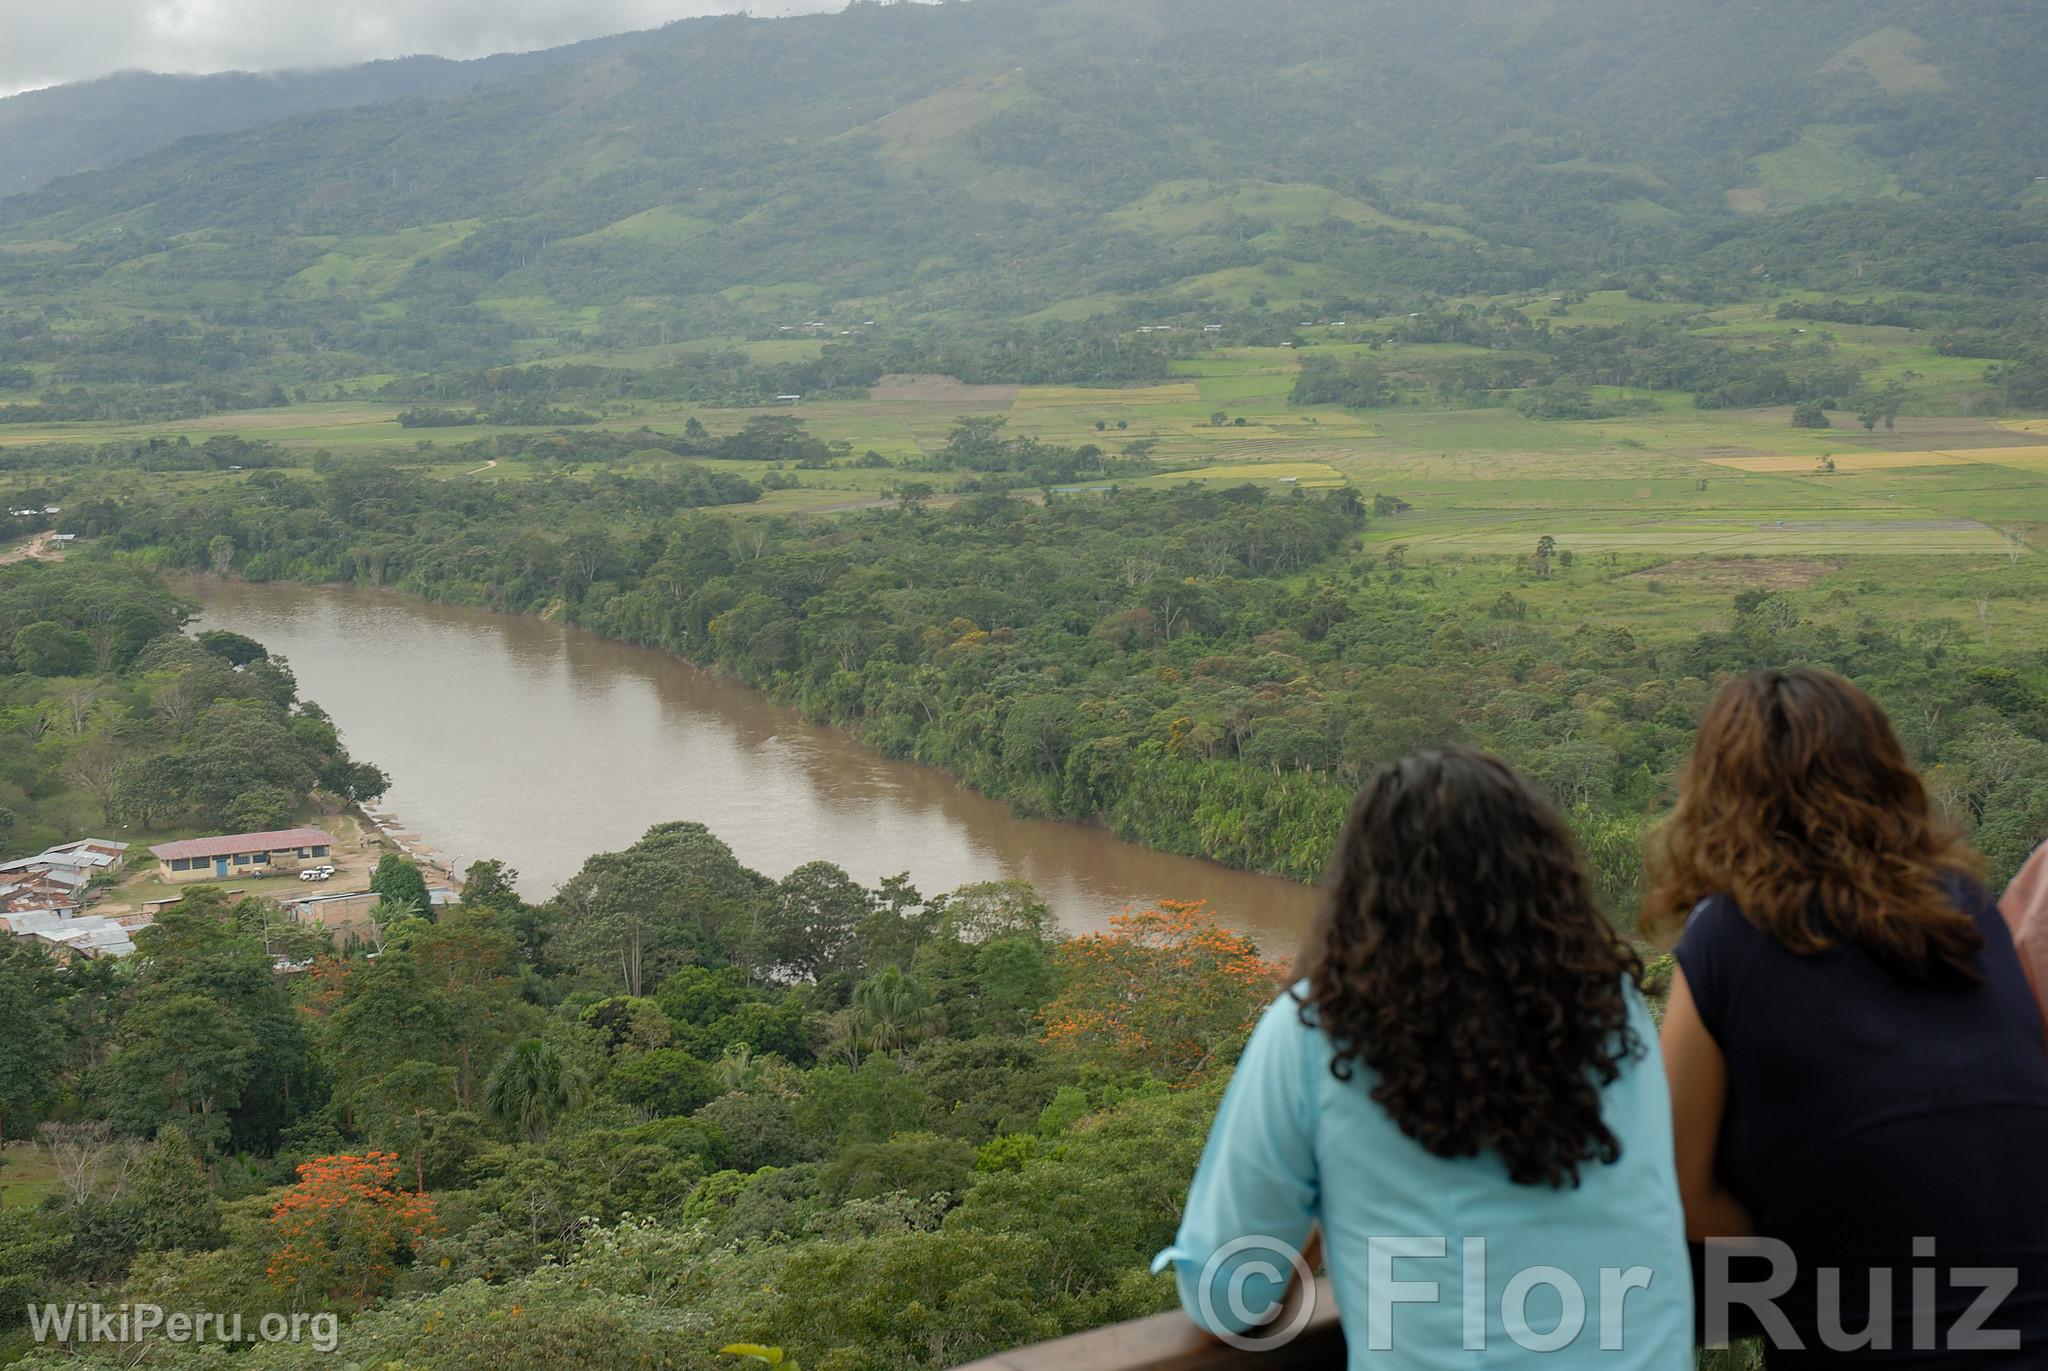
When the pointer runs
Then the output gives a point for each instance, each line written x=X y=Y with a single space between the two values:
x=44 y=42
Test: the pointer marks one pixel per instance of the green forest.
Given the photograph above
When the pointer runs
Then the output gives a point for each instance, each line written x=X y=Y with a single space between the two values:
x=109 y=715
x=1208 y=670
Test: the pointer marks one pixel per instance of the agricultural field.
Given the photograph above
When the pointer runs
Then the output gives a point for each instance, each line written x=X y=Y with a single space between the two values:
x=1665 y=479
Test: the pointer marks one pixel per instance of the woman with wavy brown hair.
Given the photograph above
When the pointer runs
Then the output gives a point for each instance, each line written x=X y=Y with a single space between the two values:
x=1459 y=1093
x=1858 y=1075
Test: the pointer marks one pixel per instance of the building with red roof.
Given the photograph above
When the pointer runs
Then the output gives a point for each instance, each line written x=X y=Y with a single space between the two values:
x=241 y=854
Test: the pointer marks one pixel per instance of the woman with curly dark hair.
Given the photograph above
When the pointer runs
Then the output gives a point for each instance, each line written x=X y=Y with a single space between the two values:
x=1460 y=1094
x=1857 y=1068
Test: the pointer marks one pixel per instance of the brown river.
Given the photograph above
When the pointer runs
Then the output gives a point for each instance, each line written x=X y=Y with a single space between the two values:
x=540 y=744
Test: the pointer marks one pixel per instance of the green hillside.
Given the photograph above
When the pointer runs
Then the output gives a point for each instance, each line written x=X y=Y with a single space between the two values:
x=87 y=125
x=971 y=166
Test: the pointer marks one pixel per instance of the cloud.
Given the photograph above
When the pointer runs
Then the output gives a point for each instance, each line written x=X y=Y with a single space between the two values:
x=45 y=42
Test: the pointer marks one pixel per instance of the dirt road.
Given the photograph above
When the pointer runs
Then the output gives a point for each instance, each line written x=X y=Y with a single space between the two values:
x=41 y=548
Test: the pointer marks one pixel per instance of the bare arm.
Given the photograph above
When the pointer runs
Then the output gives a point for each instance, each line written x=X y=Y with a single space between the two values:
x=1312 y=1254
x=1699 y=1094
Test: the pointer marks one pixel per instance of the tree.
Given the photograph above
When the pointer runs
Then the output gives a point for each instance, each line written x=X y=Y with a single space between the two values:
x=182 y=1057
x=203 y=978
x=667 y=1082
x=1037 y=733
x=95 y=766
x=445 y=993
x=841 y=1105
x=388 y=913
x=531 y=1087
x=81 y=1154
x=50 y=649
x=891 y=1010
x=340 y=1233
x=30 y=1252
x=150 y=788
x=177 y=1206
x=676 y=895
x=917 y=1164
x=492 y=884
x=1546 y=548
x=1809 y=414
x=32 y=1037
x=399 y=881
x=809 y=923
x=1163 y=992
x=260 y=809
x=404 y=1105
x=232 y=648
x=759 y=1130
x=355 y=782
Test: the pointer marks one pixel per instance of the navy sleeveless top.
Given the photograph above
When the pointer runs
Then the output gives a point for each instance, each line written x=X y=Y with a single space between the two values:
x=1864 y=1112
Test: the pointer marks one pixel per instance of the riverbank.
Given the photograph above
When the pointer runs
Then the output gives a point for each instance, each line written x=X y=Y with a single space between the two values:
x=541 y=744
x=1289 y=794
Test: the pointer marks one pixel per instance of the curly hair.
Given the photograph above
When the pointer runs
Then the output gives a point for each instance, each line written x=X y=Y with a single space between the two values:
x=1798 y=803
x=1462 y=957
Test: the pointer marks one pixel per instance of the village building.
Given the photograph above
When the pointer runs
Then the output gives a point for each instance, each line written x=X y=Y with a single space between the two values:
x=70 y=938
x=346 y=914
x=58 y=878
x=241 y=854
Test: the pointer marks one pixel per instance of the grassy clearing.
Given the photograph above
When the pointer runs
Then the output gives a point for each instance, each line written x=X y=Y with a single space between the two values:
x=1823 y=164
x=1674 y=481
x=664 y=225
x=1890 y=57
x=26 y=1179
x=1309 y=475
x=1183 y=209
x=1844 y=461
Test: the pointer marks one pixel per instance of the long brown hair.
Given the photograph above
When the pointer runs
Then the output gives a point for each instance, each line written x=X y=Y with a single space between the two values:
x=1461 y=956
x=1798 y=803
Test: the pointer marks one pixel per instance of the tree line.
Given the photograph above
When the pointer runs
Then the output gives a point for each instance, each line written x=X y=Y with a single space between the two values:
x=109 y=715
x=1207 y=671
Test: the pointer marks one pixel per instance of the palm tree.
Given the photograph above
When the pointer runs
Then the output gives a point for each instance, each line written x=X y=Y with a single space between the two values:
x=386 y=911
x=736 y=1069
x=532 y=1086
x=842 y=1038
x=891 y=1011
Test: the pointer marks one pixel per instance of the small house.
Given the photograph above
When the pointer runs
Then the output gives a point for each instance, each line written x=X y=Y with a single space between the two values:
x=241 y=854
x=86 y=854
x=70 y=938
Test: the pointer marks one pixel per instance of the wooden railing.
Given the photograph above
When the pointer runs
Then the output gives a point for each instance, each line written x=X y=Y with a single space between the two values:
x=1171 y=1342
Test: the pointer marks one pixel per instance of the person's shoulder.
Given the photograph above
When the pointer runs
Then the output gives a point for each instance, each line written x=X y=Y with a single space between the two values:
x=1715 y=920
x=1287 y=1027
x=1290 y=1013
x=1718 y=950
x=1969 y=893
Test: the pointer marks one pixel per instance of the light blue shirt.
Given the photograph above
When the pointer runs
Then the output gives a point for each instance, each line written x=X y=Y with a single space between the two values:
x=1436 y=1261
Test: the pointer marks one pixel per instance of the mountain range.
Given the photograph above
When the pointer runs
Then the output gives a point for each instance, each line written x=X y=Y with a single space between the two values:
x=1032 y=163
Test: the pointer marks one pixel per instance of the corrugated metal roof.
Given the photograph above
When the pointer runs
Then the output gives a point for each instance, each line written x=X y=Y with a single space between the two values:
x=231 y=844
x=82 y=852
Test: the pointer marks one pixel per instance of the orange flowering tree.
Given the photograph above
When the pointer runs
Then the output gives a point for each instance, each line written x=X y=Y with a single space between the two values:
x=339 y=1233
x=1163 y=991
